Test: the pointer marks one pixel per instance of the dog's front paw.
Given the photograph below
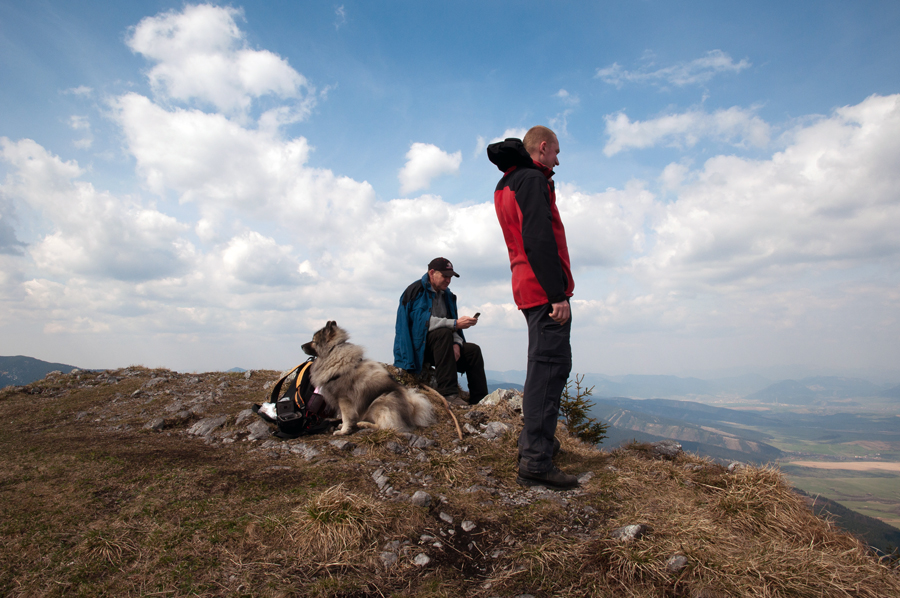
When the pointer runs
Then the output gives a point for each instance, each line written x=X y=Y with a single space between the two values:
x=341 y=432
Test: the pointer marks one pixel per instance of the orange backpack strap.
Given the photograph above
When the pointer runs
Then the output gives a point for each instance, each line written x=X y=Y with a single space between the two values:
x=297 y=381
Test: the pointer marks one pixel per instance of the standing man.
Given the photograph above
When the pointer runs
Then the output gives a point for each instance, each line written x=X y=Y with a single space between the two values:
x=525 y=200
x=429 y=330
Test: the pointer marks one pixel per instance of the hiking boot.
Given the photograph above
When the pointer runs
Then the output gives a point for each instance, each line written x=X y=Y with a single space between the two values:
x=553 y=479
x=456 y=400
x=556 y=448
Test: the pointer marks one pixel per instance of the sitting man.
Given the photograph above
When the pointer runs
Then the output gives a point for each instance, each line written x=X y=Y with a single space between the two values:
x=429 y=331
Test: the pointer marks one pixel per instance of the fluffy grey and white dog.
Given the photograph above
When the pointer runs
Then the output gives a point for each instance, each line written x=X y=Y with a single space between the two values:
x=362 y=389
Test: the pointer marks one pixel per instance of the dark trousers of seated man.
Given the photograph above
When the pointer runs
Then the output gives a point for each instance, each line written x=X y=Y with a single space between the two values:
x=439 y=352
x=549 y=364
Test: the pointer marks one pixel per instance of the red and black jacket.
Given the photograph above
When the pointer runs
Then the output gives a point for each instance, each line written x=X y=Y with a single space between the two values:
x=525 y=200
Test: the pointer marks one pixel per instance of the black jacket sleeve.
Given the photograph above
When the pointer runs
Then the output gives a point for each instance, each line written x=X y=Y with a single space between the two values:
x=533 y=197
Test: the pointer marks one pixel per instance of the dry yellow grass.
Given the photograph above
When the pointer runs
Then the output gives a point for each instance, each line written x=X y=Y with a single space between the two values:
x=94 y=505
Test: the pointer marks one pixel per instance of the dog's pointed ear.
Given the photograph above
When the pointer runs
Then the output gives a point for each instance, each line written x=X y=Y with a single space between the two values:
x=331 y=324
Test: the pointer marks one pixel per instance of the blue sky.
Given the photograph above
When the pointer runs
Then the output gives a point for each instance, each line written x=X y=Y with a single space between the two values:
x=199 y=186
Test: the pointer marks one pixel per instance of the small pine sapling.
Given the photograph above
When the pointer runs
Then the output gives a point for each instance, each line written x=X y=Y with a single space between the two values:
x=575 y=411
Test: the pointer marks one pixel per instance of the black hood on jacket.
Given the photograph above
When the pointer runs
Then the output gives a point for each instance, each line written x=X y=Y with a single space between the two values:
x=509 y=153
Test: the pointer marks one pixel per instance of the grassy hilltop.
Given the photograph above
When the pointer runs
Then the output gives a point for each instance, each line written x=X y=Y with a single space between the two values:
x=141 y=482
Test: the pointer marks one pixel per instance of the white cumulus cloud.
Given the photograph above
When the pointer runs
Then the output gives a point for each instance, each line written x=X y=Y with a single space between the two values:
x=201 y=54
x=734 y=125
x=424 y=163
x=830 y=200
x=94 y=233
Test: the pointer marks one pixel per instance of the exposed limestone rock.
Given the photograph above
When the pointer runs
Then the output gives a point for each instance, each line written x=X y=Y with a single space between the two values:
x=205 y=427
x=243 y=416
x=156 y=424
x=666 y=449
x=421 y=499
x=307 y=452
x=388 y=558
x=514 y=398
x=495 y=430
x=676 y=563
x=342 y=445
x=630 y=532
x=259 y=430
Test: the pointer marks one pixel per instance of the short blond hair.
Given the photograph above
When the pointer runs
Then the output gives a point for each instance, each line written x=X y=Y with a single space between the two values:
x=535 y=136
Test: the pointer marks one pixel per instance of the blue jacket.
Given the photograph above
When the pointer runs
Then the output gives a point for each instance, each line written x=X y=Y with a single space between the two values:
x=413 y=316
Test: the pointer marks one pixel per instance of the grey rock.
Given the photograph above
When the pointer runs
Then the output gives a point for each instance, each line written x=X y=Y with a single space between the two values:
x=248 y=374
x=304 y=450
x=388 y=558
x=469 y=428
x=243 y=416
x=467 y=526
x=676 y=563
x=156 y=424
x=154 y=381
x=343 y=445
x=495 y=430
x=177 y=405
x=421 y=498
x=630 y=532
x=360 y=451
x=258 y=430
x=503 y=395
x=381 y=480
x=666 y=449
x=734 y=466
x=421 y=560
x=394 y=447
x=207 y=426
x=420 y=442
x=445 y=517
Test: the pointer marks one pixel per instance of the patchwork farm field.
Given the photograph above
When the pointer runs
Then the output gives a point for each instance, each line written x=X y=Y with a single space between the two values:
x=871 y=488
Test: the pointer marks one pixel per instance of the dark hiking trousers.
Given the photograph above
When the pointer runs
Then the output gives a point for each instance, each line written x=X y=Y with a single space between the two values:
x=549 y=364
x=439 y=352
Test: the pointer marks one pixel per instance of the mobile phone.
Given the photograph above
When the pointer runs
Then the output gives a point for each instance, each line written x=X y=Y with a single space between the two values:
x=477 y=314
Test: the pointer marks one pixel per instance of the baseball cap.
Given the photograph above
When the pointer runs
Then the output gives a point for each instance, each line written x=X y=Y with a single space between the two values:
x=442 y=264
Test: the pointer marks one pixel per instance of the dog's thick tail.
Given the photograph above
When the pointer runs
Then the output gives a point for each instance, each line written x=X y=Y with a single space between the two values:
x=422 y=411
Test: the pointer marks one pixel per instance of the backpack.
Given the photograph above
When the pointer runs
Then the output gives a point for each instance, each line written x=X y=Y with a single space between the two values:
x=294 y=406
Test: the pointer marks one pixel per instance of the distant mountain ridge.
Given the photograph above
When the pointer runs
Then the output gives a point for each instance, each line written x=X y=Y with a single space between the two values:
x=20 y=370
x=750 y=387
x=815 y=390
x=699 y=428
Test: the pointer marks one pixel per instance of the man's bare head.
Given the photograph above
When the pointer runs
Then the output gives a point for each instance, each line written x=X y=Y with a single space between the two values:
x=542 y=145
